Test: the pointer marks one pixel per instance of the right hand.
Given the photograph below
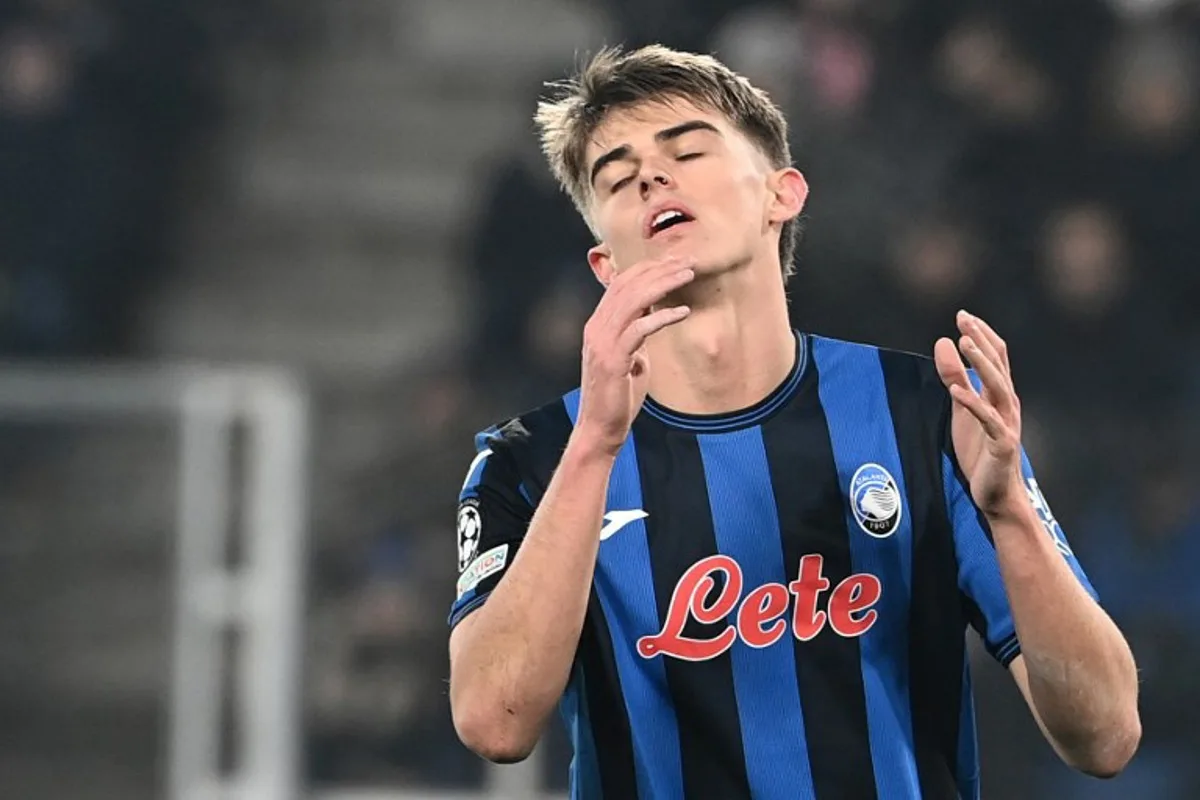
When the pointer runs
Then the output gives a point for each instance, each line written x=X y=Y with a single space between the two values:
x=616 y=369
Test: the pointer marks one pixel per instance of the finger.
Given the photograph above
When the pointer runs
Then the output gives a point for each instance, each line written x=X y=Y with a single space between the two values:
x=995 y=382
x=638 y=298
x=989 y=337
x=998 y=343
x=617 y=289
x=649 y=267
x=643 y=328
x=969 y=325
x=647 y=283
x=949 y=364
x=988 y=417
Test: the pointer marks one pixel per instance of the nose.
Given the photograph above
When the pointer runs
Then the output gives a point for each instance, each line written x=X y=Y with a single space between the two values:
x=654 y=174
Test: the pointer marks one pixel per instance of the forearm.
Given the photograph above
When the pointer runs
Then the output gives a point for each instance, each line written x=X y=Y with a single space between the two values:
x=511 y=658
x=1082 y=680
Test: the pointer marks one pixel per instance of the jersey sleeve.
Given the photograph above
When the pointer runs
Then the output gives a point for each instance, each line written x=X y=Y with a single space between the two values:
x=494 y=511
x=978 y=567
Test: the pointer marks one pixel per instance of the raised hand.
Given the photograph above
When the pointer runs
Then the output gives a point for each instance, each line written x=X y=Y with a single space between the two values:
x=616 y=368
x=985 y=426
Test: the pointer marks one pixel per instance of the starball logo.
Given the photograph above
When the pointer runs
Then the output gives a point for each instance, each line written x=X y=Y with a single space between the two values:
x=760 y=616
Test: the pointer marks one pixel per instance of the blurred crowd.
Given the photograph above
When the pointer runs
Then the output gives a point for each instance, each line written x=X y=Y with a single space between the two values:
x=105 y=108
x=93 y=134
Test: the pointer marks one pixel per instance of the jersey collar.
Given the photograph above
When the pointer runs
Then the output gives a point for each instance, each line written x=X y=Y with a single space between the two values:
x=754 y=415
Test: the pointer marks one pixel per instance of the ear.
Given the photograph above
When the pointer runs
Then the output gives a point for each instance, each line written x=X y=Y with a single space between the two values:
x=601 y=261
x=789 y=190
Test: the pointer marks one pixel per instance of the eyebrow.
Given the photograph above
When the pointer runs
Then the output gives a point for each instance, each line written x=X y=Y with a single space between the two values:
x=665 y=135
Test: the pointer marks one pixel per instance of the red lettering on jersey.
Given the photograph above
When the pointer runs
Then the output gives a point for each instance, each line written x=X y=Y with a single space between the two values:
x=807 y=621
x=853 y=595
x=688 y=600
x=762 y=605
x=850 y=612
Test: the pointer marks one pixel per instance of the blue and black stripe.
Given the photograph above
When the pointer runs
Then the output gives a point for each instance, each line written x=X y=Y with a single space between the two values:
x=886 y=714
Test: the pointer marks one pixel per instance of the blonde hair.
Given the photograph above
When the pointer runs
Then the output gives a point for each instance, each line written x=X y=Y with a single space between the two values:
x=614 y=79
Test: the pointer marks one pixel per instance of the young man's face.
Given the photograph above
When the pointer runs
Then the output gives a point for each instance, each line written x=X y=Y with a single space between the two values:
x=656 y=158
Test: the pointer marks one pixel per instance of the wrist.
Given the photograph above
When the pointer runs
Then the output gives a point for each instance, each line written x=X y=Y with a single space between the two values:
x=588 y=446
x=1014 y=507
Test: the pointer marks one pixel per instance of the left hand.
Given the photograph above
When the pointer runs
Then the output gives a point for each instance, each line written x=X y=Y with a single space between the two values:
x=985 y=427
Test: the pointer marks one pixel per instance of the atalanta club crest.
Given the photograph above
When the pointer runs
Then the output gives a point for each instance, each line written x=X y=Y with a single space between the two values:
x=875 y=500
x=470 y=525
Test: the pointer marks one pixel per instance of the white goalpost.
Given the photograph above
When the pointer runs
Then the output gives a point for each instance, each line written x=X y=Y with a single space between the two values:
x=260 y=598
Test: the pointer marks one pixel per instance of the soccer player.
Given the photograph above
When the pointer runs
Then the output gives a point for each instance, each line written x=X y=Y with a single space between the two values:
x=742 y=559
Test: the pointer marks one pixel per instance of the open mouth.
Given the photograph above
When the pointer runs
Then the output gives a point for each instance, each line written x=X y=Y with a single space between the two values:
x=665 y=220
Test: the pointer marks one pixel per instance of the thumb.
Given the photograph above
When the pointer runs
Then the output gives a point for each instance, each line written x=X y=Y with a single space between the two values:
x=949 y=364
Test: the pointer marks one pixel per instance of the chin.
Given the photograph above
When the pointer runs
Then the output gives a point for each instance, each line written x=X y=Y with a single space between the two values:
x=709 y=267
x=721 y=264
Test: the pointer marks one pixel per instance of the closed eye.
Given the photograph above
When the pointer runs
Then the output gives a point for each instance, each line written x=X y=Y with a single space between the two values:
x=621 y=184
x=688 y=156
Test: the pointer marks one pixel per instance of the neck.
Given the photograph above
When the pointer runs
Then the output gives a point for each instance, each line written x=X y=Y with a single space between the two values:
x=732 y=351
